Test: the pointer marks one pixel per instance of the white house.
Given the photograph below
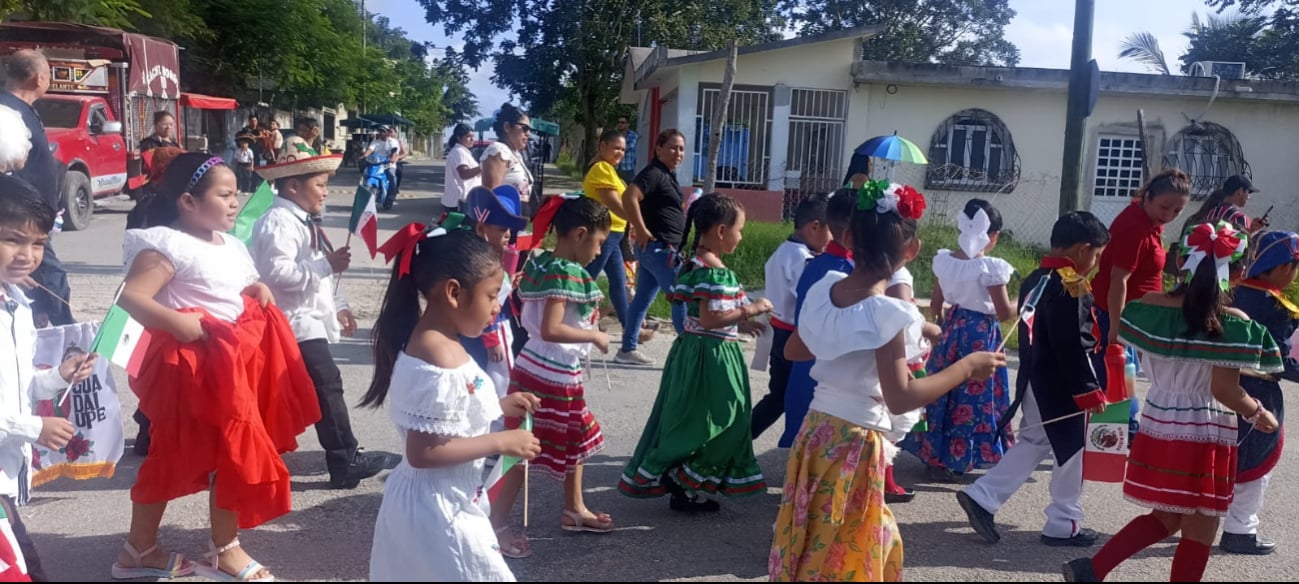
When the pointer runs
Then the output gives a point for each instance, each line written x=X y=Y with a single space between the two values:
x=800 y=106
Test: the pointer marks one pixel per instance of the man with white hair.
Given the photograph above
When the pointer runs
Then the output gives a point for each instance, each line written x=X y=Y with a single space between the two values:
x=27 y=78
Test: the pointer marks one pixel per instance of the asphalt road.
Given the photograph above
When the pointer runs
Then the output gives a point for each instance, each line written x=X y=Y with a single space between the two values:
x=79 y=526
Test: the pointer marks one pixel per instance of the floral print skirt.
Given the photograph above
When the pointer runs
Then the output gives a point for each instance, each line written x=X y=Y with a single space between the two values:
x=962 y=425
x=833 y=525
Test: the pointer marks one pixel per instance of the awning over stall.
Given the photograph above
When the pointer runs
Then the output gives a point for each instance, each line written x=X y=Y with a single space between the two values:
x=207 y=102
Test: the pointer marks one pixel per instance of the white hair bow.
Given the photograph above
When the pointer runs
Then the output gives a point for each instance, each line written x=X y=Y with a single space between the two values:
x=974 y=233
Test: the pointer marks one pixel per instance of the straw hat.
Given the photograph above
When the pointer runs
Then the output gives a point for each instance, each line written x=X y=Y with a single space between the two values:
x=298 y=159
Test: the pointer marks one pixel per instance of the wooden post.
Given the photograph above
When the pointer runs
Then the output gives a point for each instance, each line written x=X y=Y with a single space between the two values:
x=719 y=118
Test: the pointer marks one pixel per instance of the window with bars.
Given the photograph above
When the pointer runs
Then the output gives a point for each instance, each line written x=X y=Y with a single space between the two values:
x=743 y=156
x=973 y=151
x=1209 y=154
x=1119 y=172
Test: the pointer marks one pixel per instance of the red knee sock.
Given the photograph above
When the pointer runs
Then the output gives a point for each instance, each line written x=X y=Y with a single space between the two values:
x=1189 y=561
x=889 y=485
x=1137 y=535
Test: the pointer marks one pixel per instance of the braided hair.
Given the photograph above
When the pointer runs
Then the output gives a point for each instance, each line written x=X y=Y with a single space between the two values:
x=707 y=212
x=581 y=212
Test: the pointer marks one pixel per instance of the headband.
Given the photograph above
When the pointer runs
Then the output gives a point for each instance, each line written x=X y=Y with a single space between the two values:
x=974 y=233
x=405 y=242
x=1221 y=241
x=202 y=170
x=882 y=197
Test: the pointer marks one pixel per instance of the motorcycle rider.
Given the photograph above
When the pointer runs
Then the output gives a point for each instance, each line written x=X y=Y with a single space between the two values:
x=387 y=145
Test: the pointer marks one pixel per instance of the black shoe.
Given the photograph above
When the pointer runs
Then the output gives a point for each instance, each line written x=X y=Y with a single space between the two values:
x=980 y=519
x=1246 y=544
x=1084 y=538
x=902 y=496
x=1079 y=570
x=364 y=465
x=694 y=504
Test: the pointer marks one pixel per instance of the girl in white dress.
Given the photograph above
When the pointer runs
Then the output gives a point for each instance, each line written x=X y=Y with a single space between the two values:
x=433 y=524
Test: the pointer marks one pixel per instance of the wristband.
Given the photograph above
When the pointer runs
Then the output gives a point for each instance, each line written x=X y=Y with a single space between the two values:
x=1258 y=413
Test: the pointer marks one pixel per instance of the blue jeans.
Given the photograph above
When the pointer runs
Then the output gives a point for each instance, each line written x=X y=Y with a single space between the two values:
x=657 y=271
x=610 y=262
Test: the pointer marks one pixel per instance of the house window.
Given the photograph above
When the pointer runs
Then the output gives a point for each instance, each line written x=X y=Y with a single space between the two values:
x=743 y=157
x=1119 y=171
x=973 y=151
x=1209 y=154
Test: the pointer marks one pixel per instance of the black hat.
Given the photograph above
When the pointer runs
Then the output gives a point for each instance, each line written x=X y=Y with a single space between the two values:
x=1236 y=183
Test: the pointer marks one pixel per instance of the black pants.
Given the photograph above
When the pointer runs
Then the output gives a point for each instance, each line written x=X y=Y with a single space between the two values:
x=772 y=405
x=244 y=173
x=28 y=548
x=52 y=276
x=334 y=430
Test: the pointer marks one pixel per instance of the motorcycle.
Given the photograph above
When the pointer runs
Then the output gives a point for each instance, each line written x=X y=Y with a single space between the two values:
x=375 y=178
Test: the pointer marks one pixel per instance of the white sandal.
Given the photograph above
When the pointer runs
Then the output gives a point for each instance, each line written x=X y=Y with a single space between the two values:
x=214 y=571
x=177 y=566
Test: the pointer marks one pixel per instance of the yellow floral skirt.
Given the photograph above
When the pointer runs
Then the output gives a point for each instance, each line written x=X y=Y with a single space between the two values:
x=833 y=525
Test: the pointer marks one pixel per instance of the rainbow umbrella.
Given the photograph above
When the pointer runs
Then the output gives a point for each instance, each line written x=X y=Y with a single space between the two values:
x=892 y=148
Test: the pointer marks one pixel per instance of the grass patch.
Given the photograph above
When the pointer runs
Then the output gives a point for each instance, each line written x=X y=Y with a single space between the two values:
x=569 y=166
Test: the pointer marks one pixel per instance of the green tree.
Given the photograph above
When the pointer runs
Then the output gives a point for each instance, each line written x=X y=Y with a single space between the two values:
x=951 y=32
x=1235 y=37
x=114 y=13
x=555 y=53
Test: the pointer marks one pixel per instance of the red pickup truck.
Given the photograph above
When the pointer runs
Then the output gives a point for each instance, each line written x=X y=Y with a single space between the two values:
x=105 y=85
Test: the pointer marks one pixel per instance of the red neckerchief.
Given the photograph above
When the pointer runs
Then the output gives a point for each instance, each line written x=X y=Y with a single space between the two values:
x=838 y=251
x=1055 y=263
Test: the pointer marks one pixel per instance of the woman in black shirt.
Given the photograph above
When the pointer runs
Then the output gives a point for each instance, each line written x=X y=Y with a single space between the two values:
x=654 y=208
x=164 y=129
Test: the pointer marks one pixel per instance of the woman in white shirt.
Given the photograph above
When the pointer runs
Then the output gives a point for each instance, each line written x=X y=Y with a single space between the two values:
x=462 y=171
x=505 y=161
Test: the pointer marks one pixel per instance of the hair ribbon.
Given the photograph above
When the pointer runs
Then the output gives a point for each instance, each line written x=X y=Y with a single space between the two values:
x=405 y=242
x=1221 y=241
x=973 y=237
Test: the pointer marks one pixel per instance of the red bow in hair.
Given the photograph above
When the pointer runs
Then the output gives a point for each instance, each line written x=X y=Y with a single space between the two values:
x=545 y=215
x=403 y=242
x=1221 y=241
x=911 y=204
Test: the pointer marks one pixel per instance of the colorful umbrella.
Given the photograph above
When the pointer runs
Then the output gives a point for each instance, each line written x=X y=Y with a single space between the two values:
x=892 y=148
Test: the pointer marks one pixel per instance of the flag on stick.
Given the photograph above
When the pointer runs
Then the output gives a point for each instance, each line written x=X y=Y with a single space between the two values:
x=365 y=219
x=493 y=483
x=1027 y=311
x=122 y=340
x=253 y=210
x=1105 y=450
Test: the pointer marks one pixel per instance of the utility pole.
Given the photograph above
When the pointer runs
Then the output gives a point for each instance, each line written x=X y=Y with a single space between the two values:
x=365 y=27
x=719 y=119
x=1076 y=114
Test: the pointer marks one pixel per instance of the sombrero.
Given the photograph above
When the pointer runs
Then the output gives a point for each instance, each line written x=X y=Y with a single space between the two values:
x=298 y=159
x=499 y=207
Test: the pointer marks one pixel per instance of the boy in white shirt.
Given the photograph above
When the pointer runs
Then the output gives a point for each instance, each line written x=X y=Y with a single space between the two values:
x=244 y=166
x=25 y=222
x=783 y=269
x=296 y=260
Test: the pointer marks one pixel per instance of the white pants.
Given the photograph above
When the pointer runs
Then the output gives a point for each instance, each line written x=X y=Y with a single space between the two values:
x=1064 y=515
x=1242 y=515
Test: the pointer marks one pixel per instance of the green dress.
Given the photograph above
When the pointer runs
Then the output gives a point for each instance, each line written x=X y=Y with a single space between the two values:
x=698 y=431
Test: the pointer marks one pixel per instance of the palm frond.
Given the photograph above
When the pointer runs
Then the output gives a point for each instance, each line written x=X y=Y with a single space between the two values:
x=1143 y=47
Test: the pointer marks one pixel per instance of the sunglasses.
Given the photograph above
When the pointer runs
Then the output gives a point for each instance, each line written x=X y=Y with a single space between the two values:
x=526 y=128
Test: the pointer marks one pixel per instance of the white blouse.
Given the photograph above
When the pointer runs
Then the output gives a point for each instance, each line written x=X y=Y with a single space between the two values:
x=516 y=170
x=208 y=275
x=965 y=283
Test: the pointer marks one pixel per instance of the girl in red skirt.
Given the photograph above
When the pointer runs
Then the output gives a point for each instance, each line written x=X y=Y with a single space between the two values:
x=223 y=383
x=1183 y=460
x=559 y=312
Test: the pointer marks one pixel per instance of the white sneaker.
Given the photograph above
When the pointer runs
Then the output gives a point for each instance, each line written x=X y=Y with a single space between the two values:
x=632 y=358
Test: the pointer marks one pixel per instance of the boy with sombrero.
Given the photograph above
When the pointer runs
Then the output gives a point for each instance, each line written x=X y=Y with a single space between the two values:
x=298 y=263
x=496 y=216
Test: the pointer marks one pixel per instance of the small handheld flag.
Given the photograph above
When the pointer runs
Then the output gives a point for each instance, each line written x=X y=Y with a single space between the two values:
x=364 y=222
x=253 y=209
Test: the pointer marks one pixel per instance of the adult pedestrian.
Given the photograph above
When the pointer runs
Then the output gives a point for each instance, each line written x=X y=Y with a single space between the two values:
x=627 y=168
x=505 y=161
x=462 y=171
x=164 y=132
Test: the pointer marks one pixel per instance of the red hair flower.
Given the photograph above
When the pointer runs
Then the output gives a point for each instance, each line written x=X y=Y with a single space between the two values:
x=911 y=204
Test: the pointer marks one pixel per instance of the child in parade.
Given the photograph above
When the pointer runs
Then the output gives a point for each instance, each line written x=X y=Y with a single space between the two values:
x=783 y=269
x=1183 y=462
x=223 y=383
x=25 y=224
x=560 y=301
x=837 y=258
x=496 y=216
x=833 y=523
x=1055 y=379
x=961 y=427
x=296 y=260
x=698 y=438
x=1133 y=264
x=1273 y=266
x=433 y=524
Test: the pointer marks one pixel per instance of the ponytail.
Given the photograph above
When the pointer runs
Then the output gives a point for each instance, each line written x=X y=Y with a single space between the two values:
x=707 y=212
x=1203 y=302
x=397 y=318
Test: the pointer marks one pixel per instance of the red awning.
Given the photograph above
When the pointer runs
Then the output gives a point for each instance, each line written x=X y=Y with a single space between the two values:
x=198 y=101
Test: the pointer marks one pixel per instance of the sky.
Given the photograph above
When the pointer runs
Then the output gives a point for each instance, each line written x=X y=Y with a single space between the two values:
x=1042 y=29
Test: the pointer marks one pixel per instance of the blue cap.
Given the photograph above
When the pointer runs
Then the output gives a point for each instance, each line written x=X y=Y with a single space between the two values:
x=500 y=207
x=1275 y=248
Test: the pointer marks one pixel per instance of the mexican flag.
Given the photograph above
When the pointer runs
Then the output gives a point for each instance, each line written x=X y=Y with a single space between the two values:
x=122 y=340
x=365 y=220
x=1030 y=305
x=13 y=567
x=253 y=210
x=1105 y=447
x=493 y=483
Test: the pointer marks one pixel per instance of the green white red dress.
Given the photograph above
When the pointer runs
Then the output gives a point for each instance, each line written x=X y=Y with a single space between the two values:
x=1183 y=459
x=565 y=427
x=699 y=428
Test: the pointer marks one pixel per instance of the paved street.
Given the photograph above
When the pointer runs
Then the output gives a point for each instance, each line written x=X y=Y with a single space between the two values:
x=80 y=526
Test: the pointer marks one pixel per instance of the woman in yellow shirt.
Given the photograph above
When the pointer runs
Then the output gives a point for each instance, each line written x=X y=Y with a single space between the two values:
x=603 y=184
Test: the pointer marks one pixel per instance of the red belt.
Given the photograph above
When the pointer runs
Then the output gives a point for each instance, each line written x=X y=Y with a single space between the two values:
x=782 y=325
